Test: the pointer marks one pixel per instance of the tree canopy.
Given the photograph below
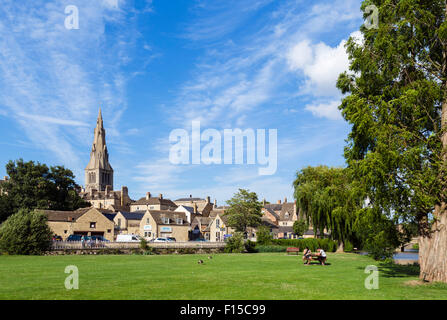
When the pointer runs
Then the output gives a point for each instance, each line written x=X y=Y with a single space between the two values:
x=25 y=232
x=328 y=199
x=244 y=211
x=396 y=104
x=35 y=186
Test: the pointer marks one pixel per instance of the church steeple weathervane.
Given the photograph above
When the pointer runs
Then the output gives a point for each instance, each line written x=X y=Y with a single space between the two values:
x=99 y=172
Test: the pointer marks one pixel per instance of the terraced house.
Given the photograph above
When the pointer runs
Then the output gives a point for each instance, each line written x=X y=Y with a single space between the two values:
x=164 y=224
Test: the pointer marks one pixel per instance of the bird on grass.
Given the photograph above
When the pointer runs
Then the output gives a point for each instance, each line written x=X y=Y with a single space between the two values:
x=200 y=262
x=210 y=257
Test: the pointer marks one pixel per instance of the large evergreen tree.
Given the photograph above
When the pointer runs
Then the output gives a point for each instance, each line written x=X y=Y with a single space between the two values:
x=397 y=105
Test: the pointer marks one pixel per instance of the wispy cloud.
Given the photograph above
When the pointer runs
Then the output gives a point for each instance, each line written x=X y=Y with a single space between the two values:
x=52 y=80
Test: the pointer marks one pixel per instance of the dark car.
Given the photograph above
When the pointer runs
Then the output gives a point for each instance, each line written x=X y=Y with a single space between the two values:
x=74 y=237
x=170 y=239
x=200 y=239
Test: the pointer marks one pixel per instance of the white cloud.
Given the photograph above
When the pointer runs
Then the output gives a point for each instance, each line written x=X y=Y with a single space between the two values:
x=320 y=64
x=327 y=110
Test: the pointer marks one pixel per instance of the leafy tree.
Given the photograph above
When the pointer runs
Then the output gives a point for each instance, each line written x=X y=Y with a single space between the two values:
x=244 y=211
x=378 y=235
x=329 y=199
x=396 y=104
x=25 y=232
x=300 y=227
x=263 y=236
x=235 y=243
x=35 y=186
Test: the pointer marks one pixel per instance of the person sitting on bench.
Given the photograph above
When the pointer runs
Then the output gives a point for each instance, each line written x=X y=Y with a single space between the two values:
x=321 y=256
x=307 y=255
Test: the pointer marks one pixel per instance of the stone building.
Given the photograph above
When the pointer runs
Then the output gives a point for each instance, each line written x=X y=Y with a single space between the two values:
x=152 y=203
x=203 y=206
x=85 y=221
x=164 y=224
x=128 y=222
x=2 y=182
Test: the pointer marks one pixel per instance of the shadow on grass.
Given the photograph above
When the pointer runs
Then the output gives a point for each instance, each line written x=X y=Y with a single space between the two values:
x=390 y=270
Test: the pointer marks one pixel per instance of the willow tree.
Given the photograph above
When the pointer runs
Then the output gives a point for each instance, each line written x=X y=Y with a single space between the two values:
x=329 y=199
x=396 y=102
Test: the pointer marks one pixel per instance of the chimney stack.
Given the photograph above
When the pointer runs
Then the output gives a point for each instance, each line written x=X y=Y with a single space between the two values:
x=208 y=199
x=285 y=200
x=264 y=202
x=215 y=203
x=148 y=195
x=279 y=202
x=124 y=192
x=160 y=196
x=6 y=178
x=195 y=207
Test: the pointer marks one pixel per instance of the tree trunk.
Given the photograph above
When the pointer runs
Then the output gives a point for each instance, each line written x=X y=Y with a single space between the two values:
x=433 y=250
x=341 y=247
x=433 y=241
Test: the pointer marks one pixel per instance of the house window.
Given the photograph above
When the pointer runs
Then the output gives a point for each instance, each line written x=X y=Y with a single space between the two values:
x=119 y=223
x=109 y=230
x=217 y=223
x=65 y=231
x=166 y=220
x=179 y=221
x=147 y=221
x=92 y=225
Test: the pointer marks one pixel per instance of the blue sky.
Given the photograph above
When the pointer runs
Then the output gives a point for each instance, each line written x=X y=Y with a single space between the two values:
x=155 y=66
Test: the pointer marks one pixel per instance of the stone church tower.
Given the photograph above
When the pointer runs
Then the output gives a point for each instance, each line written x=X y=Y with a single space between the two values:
x=99 y=172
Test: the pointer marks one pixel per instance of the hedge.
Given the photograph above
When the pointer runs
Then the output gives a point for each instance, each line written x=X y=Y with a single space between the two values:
x=312 y=243
x=271 y=248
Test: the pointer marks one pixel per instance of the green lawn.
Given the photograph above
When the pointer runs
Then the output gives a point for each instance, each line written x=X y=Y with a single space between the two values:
x=226 y=276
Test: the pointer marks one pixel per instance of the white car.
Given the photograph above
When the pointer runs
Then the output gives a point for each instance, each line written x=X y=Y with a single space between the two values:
x=161 y=240
x=128 y=238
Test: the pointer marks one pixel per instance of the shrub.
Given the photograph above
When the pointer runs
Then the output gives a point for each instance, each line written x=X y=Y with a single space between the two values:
x=416 y=246
x=235 y=243
x=250 y=246
x=271 y=248
x=143 y=244
x=25 y=232
x=348 y=246
x=379 y=248
x=263 y=236
x=313 y=244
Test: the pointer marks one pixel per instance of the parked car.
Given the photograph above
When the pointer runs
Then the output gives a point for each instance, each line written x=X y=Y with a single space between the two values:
x=74 y=237
x=200 y=239
x=57 y=238
x=128 y=238
x=161 y=240
x=170 y=239
x=100 y=238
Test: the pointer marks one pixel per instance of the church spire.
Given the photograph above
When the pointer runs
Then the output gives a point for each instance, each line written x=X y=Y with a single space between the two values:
x=99 y=172
x=99 y=122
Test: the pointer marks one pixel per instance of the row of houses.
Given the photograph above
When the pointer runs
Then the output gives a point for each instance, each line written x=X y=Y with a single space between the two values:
x=184 y=219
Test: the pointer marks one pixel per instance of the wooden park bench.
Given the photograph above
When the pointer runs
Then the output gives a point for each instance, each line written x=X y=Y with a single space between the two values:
x=292 y=249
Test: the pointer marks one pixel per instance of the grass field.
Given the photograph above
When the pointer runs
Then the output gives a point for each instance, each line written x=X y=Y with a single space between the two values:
x=226 y=276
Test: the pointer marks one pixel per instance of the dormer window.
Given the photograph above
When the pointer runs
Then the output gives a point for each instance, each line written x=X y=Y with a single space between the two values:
x=179 y=221
x=165 y=220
